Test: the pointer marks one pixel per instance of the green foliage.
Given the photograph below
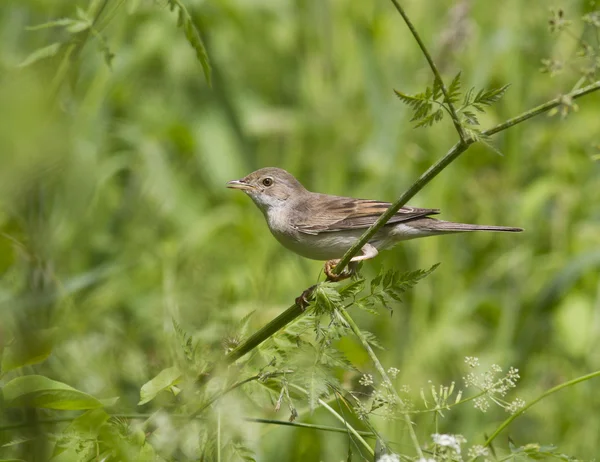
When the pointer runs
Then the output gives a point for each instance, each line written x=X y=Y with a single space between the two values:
x=128 y=271
x=423 y=104
x=37 y=391
x=192 y=34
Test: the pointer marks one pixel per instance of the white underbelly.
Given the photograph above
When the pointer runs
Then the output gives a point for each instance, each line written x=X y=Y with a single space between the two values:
x=329 y=246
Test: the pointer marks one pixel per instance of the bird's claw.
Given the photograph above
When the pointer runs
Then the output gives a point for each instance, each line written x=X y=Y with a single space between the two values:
x=331 y=276
x=304 y=299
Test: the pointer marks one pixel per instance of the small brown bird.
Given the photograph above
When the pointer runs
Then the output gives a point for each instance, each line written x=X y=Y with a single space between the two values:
x=324 y=227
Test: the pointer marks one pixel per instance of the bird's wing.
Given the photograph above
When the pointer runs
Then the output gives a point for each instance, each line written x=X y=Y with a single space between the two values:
x=333 y=213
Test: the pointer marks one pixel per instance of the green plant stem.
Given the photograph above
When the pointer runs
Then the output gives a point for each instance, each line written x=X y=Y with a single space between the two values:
x=261 y=335
x=284 y=423
x=434 y=69
x=294 y=311
x=219 y=394
x=340 y=418
x=450 y=157
x=542 y=108
x=567 y=384
x=386 y=379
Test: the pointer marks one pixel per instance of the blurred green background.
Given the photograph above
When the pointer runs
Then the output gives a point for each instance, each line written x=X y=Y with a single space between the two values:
x=114 y=217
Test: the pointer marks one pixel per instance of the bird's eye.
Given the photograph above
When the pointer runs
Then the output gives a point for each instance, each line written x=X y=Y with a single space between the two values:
x=267 y=181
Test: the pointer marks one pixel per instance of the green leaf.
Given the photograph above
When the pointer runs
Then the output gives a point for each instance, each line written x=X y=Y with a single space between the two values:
x=164 y=380
x=192 y=34
x=471 y=118
x=437 y=89
x=64 y=22
x=431 y=119
x=241 y=452
x=489 y=97
x=422 y=111
x=353 y=289
x=487 y=141
x=32 y=348
x=41 y=53
x=413 y=101
x=454 y=89
x=41 y=392
x=327 y=298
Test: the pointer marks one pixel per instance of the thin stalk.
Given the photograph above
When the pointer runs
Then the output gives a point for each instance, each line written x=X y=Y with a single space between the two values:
x=261 y=335
x=285 y=423
x=450 y=157
x=569 y=383
x=543 y=108
x=295 y=311
x=386 y=379
x=436 y=72
x=340 y=418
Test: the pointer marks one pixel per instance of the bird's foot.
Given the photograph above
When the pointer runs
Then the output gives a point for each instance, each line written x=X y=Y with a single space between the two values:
x=331 y=276
x=304 y=299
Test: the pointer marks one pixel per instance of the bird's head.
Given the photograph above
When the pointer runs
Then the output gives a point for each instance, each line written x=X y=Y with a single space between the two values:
x=269 y=187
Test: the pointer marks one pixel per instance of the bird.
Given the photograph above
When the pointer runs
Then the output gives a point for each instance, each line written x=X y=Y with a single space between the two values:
x=323 y=227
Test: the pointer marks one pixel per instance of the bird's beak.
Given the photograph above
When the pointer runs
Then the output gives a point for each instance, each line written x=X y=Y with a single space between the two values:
x=239 y=184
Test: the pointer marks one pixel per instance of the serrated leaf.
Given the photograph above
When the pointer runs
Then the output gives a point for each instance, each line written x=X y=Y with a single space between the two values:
x=242 y=452
x=64 y=22
x=372 y=339
x=413 y=101
x=468 y=99
x=437 y=89
x=454 y=89
x=327 y=298
x=471 y=118
x=422 y=111
x=192 y=34
x=41 y=392
x=353 y=289
x=375 y=282
x=164 y=380
x=430 y=119
x=41 y=53
x=489 y=97
x=489 y=143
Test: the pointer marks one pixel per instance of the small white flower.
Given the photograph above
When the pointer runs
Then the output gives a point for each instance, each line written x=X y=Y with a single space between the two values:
x=389 y=458
x=515 y=406
x=450 y=441
x=393 y=372
x=366 y=380
x=472 y=361
x=422 y=459
x=478 y=451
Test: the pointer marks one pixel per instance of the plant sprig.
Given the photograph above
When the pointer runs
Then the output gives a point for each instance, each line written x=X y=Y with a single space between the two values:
x=473 y=102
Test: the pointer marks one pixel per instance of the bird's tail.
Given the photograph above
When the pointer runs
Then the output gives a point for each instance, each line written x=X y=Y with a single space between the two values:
x=460 y=227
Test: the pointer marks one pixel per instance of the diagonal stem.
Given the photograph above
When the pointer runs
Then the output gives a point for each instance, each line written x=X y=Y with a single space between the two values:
x=450 y=157
x=436 y=72
x=386 y=379
x=295 y=310
x=508 y=421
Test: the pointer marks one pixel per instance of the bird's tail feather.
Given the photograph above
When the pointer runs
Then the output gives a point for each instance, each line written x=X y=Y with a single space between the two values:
x=459 y=227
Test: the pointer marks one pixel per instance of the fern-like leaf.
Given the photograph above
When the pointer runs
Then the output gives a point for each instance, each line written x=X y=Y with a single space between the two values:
x=454 y=89
x=489 y=97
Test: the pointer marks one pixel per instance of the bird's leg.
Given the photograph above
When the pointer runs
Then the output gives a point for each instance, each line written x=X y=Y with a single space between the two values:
x=304 y=299
x=368 y=252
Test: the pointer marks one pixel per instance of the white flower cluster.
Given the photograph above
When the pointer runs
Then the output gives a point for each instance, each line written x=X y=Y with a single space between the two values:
x=366 y=380
x=451 y=442
x=389 y=458
x=495 y=388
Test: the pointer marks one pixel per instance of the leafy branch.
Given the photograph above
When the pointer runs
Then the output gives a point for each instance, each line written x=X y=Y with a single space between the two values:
x=473 y=102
